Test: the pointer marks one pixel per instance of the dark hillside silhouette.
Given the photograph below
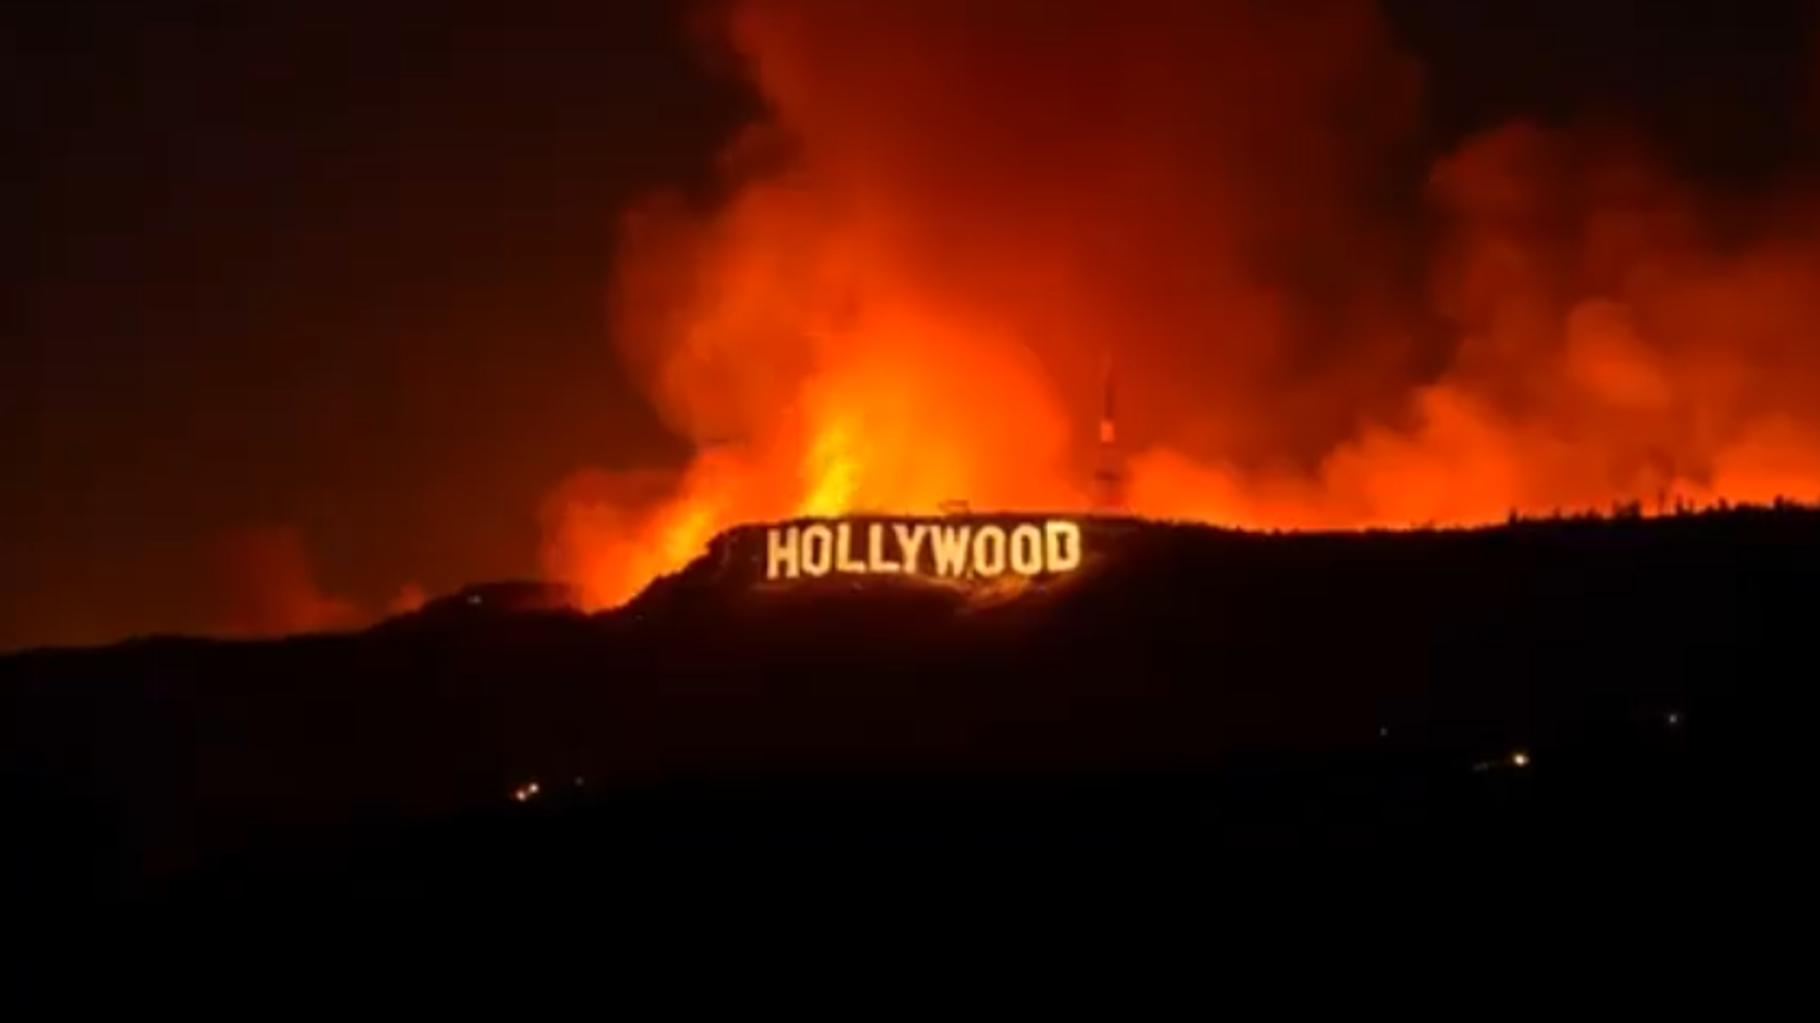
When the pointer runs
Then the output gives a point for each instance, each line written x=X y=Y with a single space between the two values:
x=1595 y=687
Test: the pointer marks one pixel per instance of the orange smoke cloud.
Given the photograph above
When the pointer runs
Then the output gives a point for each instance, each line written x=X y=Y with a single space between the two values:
x=411 y=597
x=269 y=589
x=954 y=211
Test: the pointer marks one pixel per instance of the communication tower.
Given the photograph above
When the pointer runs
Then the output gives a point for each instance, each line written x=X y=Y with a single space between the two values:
x=1109 y=462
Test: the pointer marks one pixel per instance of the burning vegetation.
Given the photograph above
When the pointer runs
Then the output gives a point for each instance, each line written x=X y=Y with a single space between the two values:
x=952 y=213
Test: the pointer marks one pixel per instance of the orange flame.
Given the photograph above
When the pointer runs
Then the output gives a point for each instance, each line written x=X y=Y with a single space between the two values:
x=953 y=208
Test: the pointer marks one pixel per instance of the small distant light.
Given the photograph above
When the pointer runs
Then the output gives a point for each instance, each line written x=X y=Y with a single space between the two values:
x=1674 y=718
x=1383 y=731
x=474 y=599
x=1519 y=759
x=524 y=792
x=580 y=781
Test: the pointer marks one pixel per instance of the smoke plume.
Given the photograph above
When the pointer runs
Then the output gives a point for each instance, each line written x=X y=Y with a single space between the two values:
x=954 y=211
x=268 y=588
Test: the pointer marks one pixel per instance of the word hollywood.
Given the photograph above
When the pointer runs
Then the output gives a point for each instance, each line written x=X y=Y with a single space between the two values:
x=955 y=551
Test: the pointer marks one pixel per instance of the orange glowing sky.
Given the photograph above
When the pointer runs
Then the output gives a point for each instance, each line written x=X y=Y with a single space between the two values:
x=322 y=313
x=953 y=211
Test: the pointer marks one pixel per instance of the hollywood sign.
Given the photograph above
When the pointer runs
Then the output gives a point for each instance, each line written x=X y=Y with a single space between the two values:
x=966 y=550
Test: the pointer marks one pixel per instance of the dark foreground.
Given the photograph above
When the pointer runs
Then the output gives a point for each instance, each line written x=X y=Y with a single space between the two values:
x=1549 y=715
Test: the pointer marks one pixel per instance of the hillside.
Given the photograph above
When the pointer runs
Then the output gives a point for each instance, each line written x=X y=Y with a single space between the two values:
x=1172 y=651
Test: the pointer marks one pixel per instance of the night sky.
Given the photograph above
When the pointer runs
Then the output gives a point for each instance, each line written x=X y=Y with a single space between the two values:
x=341 y=267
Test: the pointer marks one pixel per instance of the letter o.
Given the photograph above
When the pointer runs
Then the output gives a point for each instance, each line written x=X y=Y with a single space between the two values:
x=1027 y=550
x=989 y=551
x=818 y=549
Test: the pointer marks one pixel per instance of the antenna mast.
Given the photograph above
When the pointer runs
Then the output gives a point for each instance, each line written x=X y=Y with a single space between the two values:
x=1109 y=470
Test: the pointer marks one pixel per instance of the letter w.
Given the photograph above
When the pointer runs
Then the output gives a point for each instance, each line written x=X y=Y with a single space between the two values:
x=951 y=550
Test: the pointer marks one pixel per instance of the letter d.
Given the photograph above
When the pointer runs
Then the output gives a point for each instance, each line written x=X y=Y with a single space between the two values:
x=1062 y=545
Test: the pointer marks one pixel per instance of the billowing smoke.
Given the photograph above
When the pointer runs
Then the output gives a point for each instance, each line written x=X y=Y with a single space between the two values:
x=411 y=597
x=268 y=588
x=955 y=209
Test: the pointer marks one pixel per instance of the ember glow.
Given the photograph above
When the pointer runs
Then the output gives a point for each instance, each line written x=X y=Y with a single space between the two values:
x=955 y=211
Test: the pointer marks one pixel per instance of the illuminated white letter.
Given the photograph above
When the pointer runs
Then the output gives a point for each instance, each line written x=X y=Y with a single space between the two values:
x=817 y=549
x=910 y=542
x=875 y=550
x=844 y=561
x=1063 y=542
x=780 y=553
x=989 y=552
x=951 y=550
x=1027 y=550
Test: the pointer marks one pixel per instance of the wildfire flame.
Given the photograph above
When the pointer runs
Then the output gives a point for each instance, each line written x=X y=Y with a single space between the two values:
x=952 y=209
